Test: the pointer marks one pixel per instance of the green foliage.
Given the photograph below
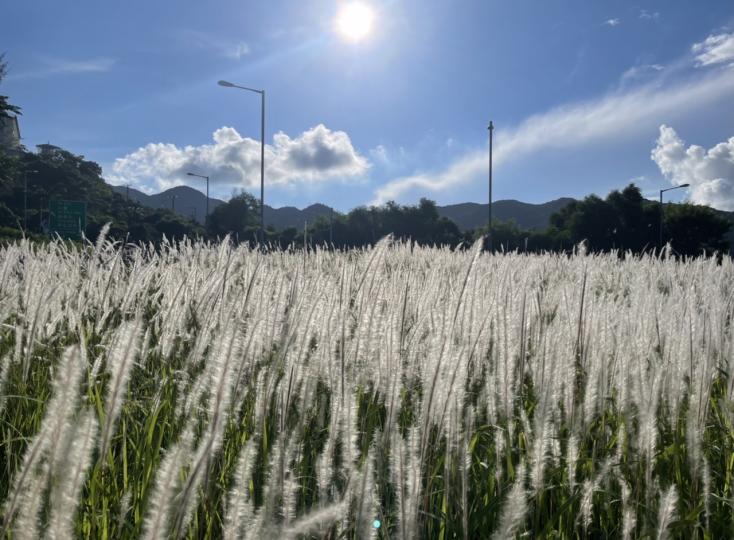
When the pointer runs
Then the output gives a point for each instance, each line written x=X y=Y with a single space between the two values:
x=59 y=174
x=239 y=217
x=624 y=221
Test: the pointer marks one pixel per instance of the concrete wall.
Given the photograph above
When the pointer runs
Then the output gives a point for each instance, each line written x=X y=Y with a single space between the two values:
x=9 y=132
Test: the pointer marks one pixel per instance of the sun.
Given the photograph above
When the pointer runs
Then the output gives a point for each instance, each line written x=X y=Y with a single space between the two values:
x=354 y=21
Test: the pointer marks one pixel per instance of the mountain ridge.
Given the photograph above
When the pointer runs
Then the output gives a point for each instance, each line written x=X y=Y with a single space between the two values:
x=191 y=203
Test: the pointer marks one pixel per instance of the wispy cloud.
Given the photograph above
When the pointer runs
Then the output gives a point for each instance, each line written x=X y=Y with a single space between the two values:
x=613 y=116
x=58 y=66
x=316 y=155
x=640 y=72
x=233 y=49
x=715 y=49
x=613 y=22
x=649 y=15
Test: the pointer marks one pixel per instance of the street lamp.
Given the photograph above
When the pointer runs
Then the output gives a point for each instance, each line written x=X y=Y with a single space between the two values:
x=228 y=84
x=207 y=189
x=25 y=198
x=489 y=225
x=660 y=243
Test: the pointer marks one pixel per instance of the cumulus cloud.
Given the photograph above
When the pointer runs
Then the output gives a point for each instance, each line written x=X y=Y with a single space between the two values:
x=613 y=22
x=715 y=50
x=318 y=154
x=614 y=116
x=709 y=172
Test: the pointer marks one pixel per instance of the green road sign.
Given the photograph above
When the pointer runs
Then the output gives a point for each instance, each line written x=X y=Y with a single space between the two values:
x=68 y=218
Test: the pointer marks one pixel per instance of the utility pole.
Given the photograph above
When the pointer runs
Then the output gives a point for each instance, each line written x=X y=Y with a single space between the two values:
x=25 y=199
x=331 y=227
x=660 y=229
x=489 y=224
x=228 y=84
x=204 y=177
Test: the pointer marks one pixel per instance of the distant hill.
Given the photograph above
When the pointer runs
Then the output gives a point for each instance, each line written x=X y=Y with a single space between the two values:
x=190 y=202
x=525 y=215
x=184 y=200
x=290 y=216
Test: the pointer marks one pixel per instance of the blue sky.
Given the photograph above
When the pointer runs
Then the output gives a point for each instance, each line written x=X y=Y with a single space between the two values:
x=585 y=96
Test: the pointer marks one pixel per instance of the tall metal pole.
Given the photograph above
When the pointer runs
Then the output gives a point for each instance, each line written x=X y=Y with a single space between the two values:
x=25 y=198
x=262 y=168
x=331 y=227
x=660 y=241
x=228 y=84
x=660 y=228
x=203 y=177
x=489 y=224
x=25 y=202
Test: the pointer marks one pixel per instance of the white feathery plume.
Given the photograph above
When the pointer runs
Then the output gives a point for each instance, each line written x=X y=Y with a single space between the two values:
x=317 y=522
x=629 y=518
x=239 y=511
x=666 y=512
x=572 y=454
x=120 y=363
x=514 y=509
x=157 y=521
x=65 y=493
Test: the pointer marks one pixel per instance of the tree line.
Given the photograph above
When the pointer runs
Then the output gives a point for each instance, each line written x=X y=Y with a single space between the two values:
x=623 y=221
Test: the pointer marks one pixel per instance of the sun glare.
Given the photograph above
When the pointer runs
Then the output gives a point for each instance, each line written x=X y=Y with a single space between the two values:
x=354 y=21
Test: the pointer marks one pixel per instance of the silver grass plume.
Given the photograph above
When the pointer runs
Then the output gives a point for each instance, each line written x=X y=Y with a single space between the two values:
x=239 y=511
x=514 y=508
x=43 y=456
x=666 y=512
x=65 y=493
x=629 y=517
x=317 y=522
x=160 y=502
x=120 y=363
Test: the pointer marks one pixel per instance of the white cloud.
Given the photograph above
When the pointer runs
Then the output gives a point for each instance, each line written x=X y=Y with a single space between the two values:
x=59 y=66
x=227 y=48
x=613 y=22
x=614 y=116
x=709 y=172
x=715 y=50
x=236 y=50
x=380 y=155
x=650 y=16
x=642 y=71
x=316 y=155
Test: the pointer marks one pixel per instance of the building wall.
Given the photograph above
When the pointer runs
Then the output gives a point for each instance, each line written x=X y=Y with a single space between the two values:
x=9 y=132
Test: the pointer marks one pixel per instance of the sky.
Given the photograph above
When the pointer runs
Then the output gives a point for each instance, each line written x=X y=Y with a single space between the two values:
x=383 y=100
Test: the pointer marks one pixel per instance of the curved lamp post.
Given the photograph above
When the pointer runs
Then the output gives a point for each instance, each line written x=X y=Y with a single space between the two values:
x=228 y=84
x=207 y=189
x=660 y=242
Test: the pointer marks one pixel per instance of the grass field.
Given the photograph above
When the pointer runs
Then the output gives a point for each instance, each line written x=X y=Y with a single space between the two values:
x=404 y=392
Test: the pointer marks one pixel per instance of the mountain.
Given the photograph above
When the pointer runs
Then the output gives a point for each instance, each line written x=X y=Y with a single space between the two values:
x=525 y=215
x=290 y=216
x=191 y=203
x=184 y=200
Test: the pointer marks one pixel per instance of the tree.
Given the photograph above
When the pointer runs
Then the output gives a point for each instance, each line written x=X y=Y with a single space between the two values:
x=239 y=217
x=6 y=107
x=693 y=229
